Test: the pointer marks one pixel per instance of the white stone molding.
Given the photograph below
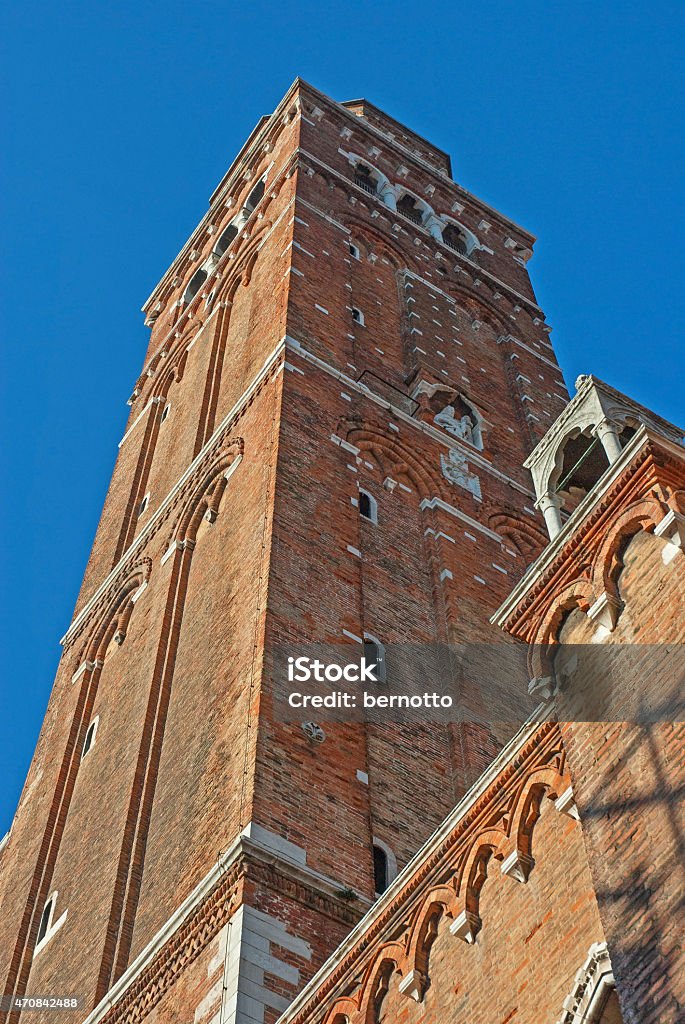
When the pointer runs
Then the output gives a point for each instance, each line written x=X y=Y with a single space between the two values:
x=565 y=803
x=672 y=530
x=414 y=985
x=597 y=409
x=455 y=468
x=605 y=612
x=466 y=926
x=518 y=866
x=594 y=983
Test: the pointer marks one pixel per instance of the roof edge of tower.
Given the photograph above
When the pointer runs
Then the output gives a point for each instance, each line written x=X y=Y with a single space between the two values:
x=262 y=126
x=364 y=104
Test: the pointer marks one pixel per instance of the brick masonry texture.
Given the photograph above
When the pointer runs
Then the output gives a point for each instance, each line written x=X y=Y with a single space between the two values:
x=210 y=857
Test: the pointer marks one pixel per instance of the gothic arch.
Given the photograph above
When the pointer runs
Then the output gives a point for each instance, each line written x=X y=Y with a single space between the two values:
x=400 y=459
x=608 y=563
x=579 y=593
x=547 y=781
x=206 y=496
x=115 y=616
x=594 y=984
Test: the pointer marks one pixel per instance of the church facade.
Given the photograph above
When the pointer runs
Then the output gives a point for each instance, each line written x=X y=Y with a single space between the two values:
x=351 y=430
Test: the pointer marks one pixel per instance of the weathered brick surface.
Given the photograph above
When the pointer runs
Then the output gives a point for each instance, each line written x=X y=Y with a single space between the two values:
x=629 y=778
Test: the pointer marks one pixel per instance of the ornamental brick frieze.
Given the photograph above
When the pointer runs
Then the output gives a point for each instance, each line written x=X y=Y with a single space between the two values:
x=184 y=946
x=495 y=832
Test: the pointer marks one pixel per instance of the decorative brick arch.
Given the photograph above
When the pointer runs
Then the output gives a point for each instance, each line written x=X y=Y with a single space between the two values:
x=579 y=593
x=383 y=244
x=525 y=535
x=642 y=515
x=206 y=496
x=390 y=453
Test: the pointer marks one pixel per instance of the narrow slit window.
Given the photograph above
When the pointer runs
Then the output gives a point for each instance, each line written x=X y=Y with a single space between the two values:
x=196 y=282
x=144 y=504
x=45 y=920
x=374 y=654
x=381 y=874
x=368 y=507
x=165 y=412
x=90 y=737
x=255 y=196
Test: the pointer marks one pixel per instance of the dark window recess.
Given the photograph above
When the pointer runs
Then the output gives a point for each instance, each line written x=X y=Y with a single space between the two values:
x=225 y=240
x=456 y=240
x=196 y=282
x=408 y=208
x=44 y=922
x=375 y=655
x=364 y=178
x=88 y=742
x=255 y=196
x=365 y=505
x=380 y=870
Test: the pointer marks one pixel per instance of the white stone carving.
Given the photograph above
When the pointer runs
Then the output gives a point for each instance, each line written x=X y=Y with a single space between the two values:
x=593 y=985
x=455 y=468
x=313 y=732
x=463 y=427
x=414 y=985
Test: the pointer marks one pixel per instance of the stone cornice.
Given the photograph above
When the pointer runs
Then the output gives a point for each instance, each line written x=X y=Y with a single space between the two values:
x=268 y=124
x=409 y=155
x=203 y=913
x=476 y=269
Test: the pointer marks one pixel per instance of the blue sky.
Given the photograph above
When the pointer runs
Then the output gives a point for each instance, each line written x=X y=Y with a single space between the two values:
x=121 y=118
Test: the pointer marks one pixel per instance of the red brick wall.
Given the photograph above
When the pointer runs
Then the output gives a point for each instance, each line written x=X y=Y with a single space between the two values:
x=628 y=781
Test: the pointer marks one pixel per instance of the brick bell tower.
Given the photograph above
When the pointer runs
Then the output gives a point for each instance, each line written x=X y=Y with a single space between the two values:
x=347 y=369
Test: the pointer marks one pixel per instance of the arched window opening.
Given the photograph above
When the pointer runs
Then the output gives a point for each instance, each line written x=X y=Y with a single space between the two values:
x=455 y=239
x=368 y=507
x=374 y=654
x=354 y=251
x=584 y=462
x=358 y=316
x=90 y=737
x=381 y=875
x=225 y=239
x=410 y=209
x=364 y=177
x=196 y=282
x=255 y=196
x=45 y=920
